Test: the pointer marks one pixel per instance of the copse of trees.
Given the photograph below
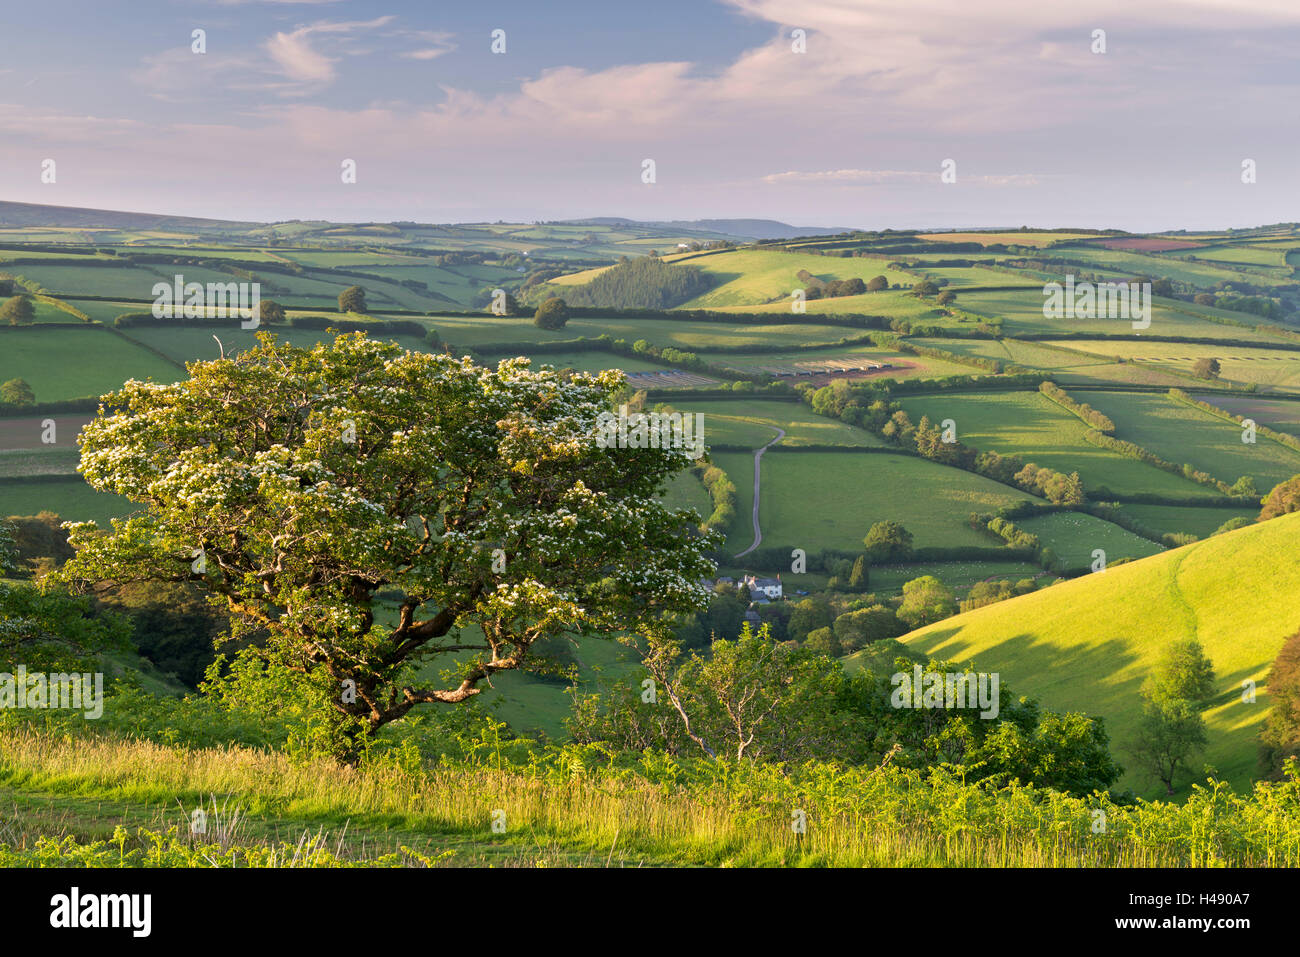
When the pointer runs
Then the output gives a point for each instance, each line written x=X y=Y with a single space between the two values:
x=642 y=283
x=1282 y=500
x=753 y=699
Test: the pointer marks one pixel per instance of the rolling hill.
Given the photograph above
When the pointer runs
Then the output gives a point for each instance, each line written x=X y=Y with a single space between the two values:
x=1087 y=644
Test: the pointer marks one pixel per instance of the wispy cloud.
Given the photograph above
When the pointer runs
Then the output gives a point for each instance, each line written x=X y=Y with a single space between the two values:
x=434 y=43
x=300 y=58
x=875 y=177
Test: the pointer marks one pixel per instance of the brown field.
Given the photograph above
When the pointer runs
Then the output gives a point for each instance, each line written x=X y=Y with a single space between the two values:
x=24 y=432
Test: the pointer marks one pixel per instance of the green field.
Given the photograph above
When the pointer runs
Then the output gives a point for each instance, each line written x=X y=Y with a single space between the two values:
x=72 y=363
x=752 y=422
x=1087 y=644
x=1022 y=313
x=185 y=343
x=1270 y=369
x=1030 y=425
x=818 y=500
x=1179 y=433
x=72 y=499
x=1074 y=536
x=1201 y=522
x=751 y=277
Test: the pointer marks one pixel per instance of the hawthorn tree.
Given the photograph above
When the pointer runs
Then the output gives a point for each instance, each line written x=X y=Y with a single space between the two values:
x=300 y=484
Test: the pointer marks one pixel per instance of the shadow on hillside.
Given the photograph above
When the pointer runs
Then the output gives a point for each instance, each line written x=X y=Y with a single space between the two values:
x=1090 y=673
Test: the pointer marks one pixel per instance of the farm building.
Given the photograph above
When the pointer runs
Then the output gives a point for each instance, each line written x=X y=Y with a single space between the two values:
x=764 y=588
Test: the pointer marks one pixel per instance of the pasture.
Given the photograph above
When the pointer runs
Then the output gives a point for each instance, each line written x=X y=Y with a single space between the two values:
x=1030 y=425
x=74 y=363
x=1179 y=433
x=817 y=500
x=1074 y=536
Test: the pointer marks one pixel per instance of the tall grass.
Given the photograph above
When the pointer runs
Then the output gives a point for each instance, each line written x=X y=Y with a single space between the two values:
x=600 y=808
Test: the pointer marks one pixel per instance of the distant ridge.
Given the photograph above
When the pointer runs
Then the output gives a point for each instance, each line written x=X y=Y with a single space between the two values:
x=35 y=214
x=740 y=228
x=38 y=214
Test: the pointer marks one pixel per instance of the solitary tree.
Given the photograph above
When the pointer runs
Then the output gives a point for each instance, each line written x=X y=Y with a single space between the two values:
x=1206 y=368
x=877 y=283
x=888 y=541
x=926 y=600
x=271 y=311
x=552 y=314
x=352 y=299
x=19 y=309
x=298 y=484
x=1172 y=730
x=17 y=392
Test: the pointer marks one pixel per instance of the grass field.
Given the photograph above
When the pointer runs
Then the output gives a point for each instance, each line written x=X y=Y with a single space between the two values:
x=750 y=277
x=739 y=467
x=1201 y=522
x=958 y=277
x=1022 y=313
x=727 y=420
x=184 y=343
x=1269 y=369
x=1088 y=644
x=72 y=499
x=72 y=363
x=1074 y=536
x=1030 y=425
x=817 y=500
x=33 y=462
x=1179 y=433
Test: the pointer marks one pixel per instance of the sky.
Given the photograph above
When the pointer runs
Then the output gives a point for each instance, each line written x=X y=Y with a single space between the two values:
x=1040 y=126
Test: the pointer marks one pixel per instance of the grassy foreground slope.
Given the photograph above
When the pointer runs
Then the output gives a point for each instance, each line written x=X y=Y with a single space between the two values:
x=1087 y=644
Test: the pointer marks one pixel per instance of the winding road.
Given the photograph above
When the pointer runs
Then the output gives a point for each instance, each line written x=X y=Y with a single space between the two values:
x=758 y=476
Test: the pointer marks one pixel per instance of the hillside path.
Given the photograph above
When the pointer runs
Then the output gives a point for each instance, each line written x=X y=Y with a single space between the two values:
x=758 y=477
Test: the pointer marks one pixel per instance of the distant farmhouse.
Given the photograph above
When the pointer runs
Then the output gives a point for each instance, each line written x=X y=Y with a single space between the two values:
x=764 y=589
